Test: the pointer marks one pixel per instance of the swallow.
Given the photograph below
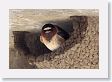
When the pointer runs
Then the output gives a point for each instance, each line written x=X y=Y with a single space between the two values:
x=52 y=36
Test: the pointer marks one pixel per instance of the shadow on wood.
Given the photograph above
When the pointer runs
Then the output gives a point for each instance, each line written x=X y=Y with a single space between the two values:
x=29 y=43
x=64 y=24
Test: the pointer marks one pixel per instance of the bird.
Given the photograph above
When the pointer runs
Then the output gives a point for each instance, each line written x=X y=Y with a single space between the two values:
x=53 y=36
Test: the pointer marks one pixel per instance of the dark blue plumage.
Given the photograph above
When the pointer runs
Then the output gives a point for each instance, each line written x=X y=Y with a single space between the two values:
x=62 y=33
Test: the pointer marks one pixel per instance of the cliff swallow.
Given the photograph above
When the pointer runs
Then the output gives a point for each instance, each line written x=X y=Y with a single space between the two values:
x=52 y=36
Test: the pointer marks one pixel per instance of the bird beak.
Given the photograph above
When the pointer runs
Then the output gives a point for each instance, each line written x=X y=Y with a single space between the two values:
x=48 y=37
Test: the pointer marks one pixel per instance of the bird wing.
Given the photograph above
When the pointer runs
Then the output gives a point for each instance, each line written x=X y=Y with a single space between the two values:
x=62 y=33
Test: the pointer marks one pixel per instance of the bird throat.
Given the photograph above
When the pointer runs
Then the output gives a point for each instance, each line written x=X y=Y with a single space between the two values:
x=48 y=36
x=53 y=43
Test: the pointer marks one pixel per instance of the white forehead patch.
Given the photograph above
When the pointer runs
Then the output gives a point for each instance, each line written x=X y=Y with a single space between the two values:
x=47 y=31
x=47 y=28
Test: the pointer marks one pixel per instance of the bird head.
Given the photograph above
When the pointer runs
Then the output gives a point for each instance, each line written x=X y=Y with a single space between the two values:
x=48 y=31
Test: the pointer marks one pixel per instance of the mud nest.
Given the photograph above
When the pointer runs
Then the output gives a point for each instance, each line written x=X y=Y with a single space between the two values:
x=79 y=51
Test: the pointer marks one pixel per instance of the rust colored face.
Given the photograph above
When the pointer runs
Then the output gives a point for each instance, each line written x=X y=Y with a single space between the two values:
x=48 y=31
